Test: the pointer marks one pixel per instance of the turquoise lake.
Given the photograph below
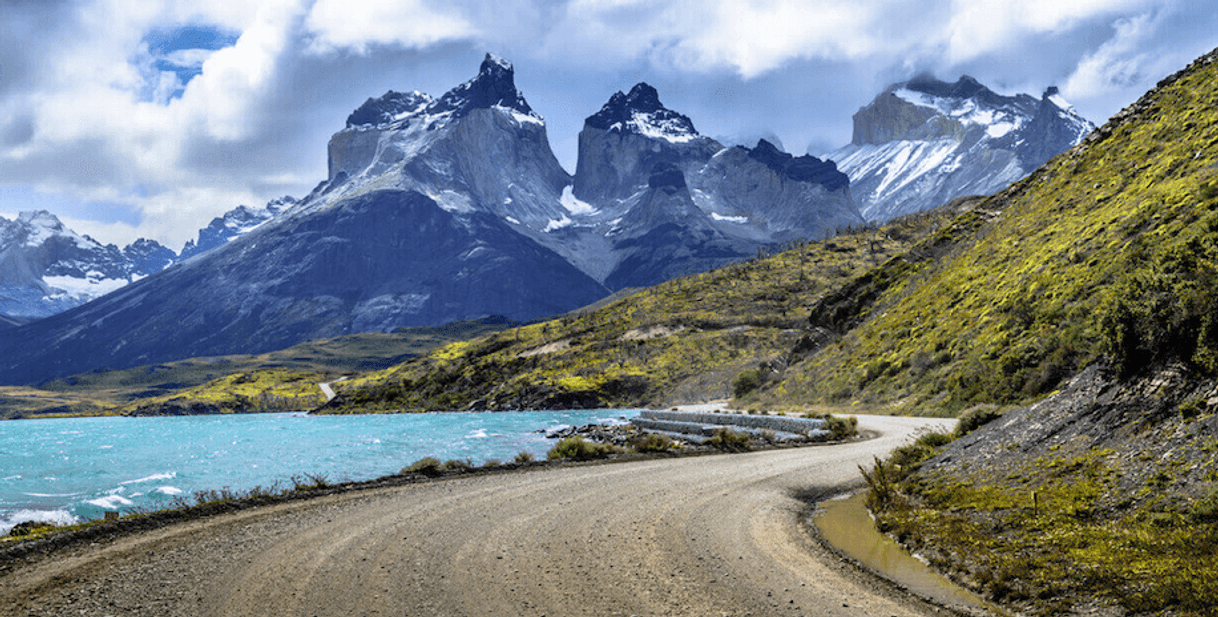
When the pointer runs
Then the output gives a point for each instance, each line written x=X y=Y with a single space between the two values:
x=67 y=470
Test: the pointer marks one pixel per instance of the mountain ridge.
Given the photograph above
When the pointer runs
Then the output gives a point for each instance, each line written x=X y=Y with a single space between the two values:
x=923 y=141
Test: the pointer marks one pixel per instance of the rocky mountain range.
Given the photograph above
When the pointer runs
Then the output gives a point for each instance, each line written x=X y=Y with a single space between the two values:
x=923 y=142
x=449 y=208
x=46 y=268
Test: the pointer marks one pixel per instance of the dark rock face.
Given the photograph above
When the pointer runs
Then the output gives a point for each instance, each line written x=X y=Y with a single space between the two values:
x=668 y=178
x=148 y=257
x=924 y=142
x=806 y=168
x=495 y=86
x=680 y=202
x=627 y=138
x=665 y=235
x=380 y=261
x=619 y=114
x=387 y=108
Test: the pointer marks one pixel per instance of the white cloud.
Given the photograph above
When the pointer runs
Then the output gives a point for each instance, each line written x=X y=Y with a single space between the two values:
x=188 y=58
x=979 y=27
x=85 y=110
x=1119 y=63
x=358 y=24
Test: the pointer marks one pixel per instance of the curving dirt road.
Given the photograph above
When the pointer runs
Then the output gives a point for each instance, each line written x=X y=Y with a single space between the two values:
x=712 y=535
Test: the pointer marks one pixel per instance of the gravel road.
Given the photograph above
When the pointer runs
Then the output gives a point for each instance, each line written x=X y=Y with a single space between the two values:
x=706 y=536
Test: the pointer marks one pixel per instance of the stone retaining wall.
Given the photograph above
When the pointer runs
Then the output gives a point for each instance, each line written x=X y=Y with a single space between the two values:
x=773 y=423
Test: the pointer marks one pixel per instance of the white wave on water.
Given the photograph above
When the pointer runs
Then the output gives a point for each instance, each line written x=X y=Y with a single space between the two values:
x=477 y=434
x=16 y=477
x=112 y=502
x=159 y=476
x=10 y=519
x=51 y=494
x=168 y=490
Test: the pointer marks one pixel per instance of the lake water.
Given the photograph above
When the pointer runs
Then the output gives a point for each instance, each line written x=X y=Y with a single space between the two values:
x=66 y=470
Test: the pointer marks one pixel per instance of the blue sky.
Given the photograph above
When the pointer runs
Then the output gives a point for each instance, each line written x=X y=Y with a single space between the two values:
x=148 y=119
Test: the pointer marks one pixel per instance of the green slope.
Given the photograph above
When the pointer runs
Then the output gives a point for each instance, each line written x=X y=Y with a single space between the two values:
x=1102 y=497
x=682 y=341
x=1081 y=258
x=284 y=379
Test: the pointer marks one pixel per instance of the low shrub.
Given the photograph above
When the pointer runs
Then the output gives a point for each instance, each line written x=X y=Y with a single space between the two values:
x=579 y=449
x=523 y=457
x=727 y=439
x=746 y=382
x=30 y=528
x=457 y=465
x=428 y=466
x=974 y=418
x=842 y=428
x=652 y=442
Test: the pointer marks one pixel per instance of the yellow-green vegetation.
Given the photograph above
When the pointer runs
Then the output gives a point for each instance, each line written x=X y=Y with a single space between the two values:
x=256 y=391
x=1108 y=248
x=727 y=439
x=577 y=448
x=685 y=339
x=1054 y=533
x=202 y=381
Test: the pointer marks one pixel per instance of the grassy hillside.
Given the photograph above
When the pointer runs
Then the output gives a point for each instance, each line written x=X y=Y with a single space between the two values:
x=1078 y=260
x=285 y=379
x=685 y=340
x=1102 y=497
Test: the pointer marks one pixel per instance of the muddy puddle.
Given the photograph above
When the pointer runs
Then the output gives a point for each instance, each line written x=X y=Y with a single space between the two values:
x=846 y=524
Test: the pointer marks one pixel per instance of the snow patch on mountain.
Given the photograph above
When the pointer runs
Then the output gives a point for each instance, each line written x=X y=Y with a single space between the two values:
x=555 y=225
x=730 y=219
x=573 y=204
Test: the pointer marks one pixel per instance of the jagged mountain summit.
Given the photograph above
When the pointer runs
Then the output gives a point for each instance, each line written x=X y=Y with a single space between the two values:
x=45 y=267
x=726 y=203
x=923 y=142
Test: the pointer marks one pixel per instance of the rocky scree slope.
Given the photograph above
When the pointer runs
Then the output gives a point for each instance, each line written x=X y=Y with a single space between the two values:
x=1101 y=499
x=923 y=142
x=1077 y=260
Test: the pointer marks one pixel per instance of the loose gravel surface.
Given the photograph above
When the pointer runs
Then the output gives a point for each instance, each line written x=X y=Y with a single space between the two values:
x=708 y=536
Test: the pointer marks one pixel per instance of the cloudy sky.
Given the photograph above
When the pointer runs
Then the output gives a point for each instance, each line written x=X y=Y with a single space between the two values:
x=147 y=118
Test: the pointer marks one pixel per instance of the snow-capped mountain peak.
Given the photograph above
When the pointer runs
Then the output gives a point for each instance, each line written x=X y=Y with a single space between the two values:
x=233 y=224
x=494 y=87
x=924 y=141
x=390 y=108
x=640 y=112
x=46 y=268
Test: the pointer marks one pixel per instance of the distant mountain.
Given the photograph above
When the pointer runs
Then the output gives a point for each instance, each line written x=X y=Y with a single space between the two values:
x=236 y=222
x=420 y=223
x=452 y=208
x=923 y=142
x=46 y=268
x=658 y=199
